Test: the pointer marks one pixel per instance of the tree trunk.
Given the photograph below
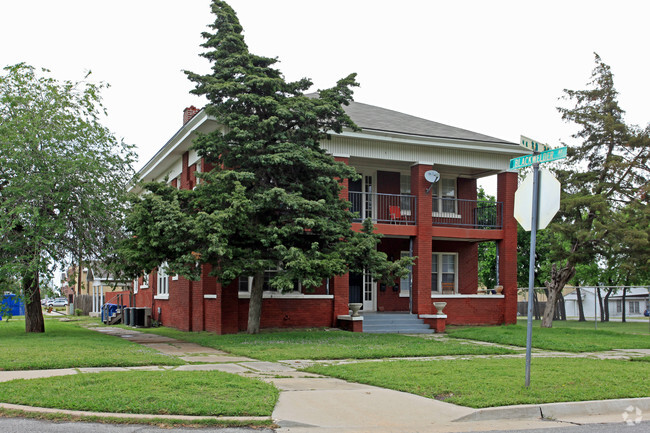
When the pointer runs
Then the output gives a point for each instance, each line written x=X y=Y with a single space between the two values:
x=623 y=305
x=562 y=306
x=33 y=312
x=581 y=310
x=255 y=304
x=549 y=310
x=606 y=302
x=600 y=304
x=535 y=305
x=558 y=280
x=79 y=275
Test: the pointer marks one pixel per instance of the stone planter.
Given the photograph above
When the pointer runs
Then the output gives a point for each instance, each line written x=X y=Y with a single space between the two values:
x=440 y=306
x=354 y=308
x=499 y=289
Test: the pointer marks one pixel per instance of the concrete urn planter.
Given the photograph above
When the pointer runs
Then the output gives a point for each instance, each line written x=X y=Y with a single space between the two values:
x=354 y=308
x=440 y=306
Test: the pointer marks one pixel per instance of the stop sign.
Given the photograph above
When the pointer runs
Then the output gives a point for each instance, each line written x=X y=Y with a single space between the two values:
x=549 y=200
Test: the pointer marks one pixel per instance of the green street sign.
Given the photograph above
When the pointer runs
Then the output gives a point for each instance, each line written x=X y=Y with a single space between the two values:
x=549 y=155
x=533 y=145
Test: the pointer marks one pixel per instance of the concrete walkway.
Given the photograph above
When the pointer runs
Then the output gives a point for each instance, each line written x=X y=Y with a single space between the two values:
x=311 y=403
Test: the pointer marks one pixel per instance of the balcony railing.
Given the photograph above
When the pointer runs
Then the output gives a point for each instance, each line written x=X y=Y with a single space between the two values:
x=402 y=209
x=478 y=214
x=384 y=208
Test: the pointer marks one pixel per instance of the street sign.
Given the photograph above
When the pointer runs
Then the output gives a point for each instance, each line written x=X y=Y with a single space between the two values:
x=533 y=145
x=549 y=200
x=549 y=155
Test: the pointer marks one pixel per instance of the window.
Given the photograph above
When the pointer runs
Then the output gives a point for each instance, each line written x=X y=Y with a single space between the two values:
x=163 y=280
x=245 y=283
x=405 y=283
x=405 y=189
x=136 y=286
x=634 y=307
x=443 y=273
x=619 y=306
x=444 y=196
x=145 y=281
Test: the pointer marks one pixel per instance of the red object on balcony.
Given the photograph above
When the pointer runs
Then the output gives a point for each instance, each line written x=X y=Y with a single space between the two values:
x=395 y=213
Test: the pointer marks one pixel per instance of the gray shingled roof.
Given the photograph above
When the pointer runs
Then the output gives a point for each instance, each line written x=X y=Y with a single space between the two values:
x=370 y=117
x=373 y=118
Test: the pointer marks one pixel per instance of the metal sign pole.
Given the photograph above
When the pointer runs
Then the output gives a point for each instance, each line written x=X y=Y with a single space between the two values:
x=531 y=270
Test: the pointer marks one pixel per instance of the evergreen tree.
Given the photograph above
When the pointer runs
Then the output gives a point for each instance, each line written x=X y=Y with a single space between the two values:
x=600 y=179
x=271 y=198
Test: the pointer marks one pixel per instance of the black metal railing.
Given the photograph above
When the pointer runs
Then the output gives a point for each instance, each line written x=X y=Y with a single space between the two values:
x=384 y=208
x=402 y=209
x=479 y=214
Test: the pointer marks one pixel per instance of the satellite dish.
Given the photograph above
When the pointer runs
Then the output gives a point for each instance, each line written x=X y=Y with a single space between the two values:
x=432 y=176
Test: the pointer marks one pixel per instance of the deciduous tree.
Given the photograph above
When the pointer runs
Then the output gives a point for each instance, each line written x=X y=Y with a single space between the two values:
x=61 y=178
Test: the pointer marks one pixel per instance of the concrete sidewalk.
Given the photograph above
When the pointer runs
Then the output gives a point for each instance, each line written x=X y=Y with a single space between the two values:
x=311 y=403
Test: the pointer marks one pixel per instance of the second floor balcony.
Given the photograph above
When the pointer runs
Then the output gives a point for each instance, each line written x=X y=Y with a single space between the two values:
x=402 y=209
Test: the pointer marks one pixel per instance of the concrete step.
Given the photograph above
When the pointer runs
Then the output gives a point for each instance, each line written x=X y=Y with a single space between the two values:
x=394 y=323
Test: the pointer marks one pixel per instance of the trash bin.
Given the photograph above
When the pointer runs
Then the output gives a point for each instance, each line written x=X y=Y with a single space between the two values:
x=126 y=315
x=107 y=311
x=142 y=317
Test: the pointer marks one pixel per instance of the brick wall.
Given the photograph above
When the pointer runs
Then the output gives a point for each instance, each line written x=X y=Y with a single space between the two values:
x=290 y=313
x=481 y=310
x=422 y=243
x=506 y=187
x=466 y=188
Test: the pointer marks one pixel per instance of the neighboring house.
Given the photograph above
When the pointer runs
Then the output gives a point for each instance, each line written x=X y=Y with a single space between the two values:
x=72 y=284
x=636 y=301
x=441 y=223
x=96 y=282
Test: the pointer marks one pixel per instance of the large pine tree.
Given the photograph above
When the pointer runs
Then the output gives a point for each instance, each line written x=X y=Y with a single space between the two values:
x=603 y=181
x=271 y=199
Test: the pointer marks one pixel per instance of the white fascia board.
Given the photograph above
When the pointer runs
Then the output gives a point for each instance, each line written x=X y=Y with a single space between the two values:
x=449 y=143
x=177 y=145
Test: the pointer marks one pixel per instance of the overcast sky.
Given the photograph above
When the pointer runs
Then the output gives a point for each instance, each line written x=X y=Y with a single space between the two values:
x=494 y=67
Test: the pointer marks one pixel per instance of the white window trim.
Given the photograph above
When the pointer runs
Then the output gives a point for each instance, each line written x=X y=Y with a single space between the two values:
x=288 y=295
x=136 y=286
x=440 y=254
x=437 y=196
x=162 y=286
x=267 y=292
x=145 y=282
x=405 y=293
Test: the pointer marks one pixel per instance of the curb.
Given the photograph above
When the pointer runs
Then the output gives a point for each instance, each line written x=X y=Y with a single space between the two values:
x=47 y=410
x=558 y=410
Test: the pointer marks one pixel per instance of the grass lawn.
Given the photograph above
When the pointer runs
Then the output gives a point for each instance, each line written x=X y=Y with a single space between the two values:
x=625 y=328
x=320 y=344
x=205 y=393
x=564 y=337
x=492 y=382
x=67 y=344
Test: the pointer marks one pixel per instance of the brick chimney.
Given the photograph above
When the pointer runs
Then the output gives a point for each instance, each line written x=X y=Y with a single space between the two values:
x=189 y=112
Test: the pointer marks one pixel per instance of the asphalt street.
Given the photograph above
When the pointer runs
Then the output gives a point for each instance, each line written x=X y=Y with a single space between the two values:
x=23 y=425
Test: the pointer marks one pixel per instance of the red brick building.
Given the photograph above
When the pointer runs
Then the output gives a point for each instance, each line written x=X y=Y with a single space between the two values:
x=440 y=222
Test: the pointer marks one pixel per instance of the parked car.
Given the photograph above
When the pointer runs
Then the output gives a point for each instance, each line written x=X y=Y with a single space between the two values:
x=58 y=302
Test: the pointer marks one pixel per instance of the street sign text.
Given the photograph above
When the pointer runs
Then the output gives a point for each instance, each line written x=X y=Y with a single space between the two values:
x=549 y=155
